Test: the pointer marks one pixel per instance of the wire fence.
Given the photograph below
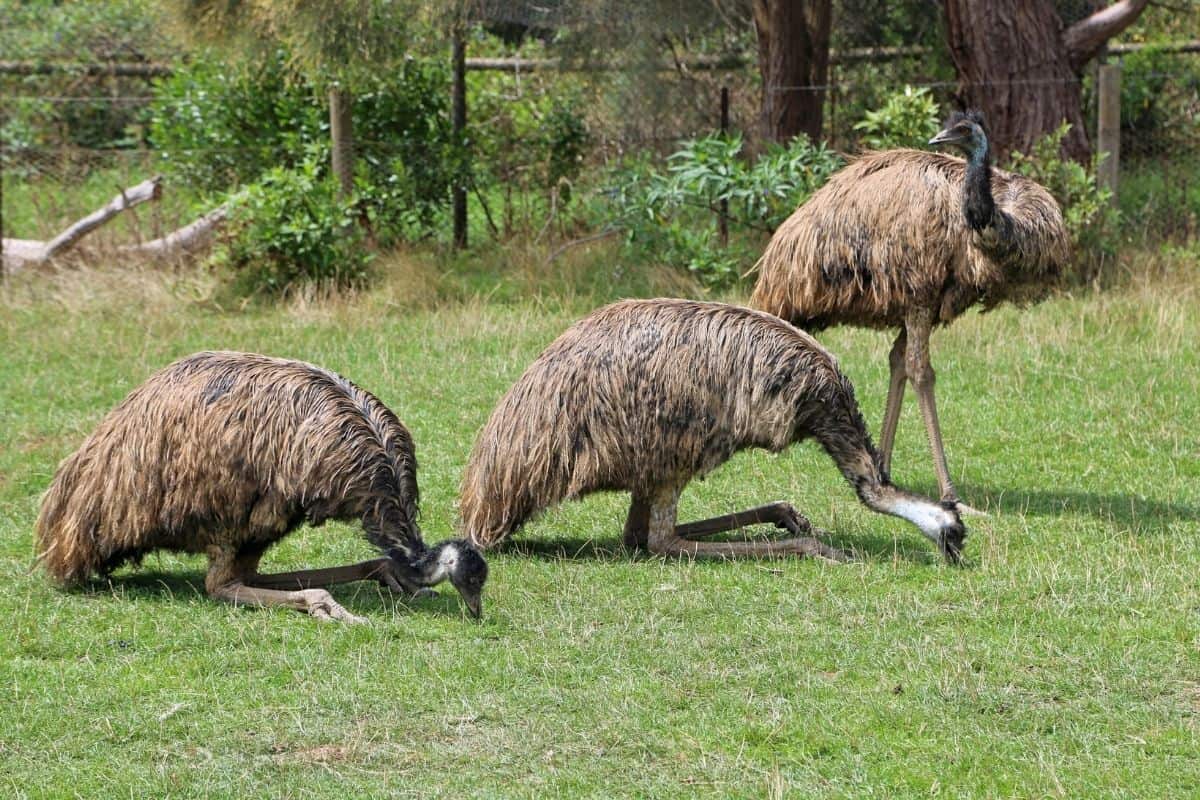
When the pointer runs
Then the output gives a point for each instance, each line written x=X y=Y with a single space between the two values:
x=45 y=186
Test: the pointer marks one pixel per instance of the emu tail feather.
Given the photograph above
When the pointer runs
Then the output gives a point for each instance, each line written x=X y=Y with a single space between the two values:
x=66 y=528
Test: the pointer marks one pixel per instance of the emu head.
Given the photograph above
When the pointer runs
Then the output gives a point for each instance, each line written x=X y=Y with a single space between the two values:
x=455 y=560
x=966 y=131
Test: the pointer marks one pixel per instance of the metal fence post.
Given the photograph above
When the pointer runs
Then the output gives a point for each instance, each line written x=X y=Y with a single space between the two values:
x=1108 y=144
x=723 y=216
x=458 y=122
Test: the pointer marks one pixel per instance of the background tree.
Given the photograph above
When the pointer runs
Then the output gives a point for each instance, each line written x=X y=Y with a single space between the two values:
x=330 y=43
x=793 y=58
x=1020 y=63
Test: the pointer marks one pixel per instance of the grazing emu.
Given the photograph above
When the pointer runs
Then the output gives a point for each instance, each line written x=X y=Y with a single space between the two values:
x=225 y=454
x=643 y=395
x=908 y=239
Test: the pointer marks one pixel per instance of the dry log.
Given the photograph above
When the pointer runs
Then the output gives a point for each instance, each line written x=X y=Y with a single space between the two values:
x=184 y=241
x=21 y=253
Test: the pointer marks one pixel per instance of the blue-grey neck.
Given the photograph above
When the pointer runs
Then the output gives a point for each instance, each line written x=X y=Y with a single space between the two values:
x=978 y=206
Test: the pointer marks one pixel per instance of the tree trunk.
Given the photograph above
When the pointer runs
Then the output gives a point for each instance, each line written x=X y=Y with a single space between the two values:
x=1022 y=66
x=341 y=132
x=793 y=59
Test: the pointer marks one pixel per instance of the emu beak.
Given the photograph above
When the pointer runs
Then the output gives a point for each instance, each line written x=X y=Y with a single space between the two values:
x=474 y=604
x=944 y=137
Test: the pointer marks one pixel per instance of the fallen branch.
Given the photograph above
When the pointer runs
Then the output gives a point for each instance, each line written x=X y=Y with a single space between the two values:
x=197 y=235
x=184 y=241
x=20 y=253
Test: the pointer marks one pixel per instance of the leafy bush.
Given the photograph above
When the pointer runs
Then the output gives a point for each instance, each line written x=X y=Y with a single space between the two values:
x=1087 y=210
x=219 y=125
x=526 y=149
x=907 y=119
x=670 y=216
x=289 y=229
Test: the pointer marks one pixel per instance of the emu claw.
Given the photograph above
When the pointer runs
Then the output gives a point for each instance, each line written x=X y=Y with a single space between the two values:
x=321 y=605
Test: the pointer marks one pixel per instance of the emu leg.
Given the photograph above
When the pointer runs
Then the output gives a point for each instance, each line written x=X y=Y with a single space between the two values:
x=919 y=324
x=637 y=524
x=895 y=399
x=229 y=574
x=377 y=569
x=779 y=514
x=665 y=538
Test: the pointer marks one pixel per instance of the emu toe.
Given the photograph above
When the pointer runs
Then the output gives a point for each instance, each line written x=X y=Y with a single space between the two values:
x=320 y=605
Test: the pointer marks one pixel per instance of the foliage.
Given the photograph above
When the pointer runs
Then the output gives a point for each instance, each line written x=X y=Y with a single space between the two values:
x=218 y=125
x=1087 y=210
x=342 y=42
x=65 y=108
x=670 y=216
x=290 y=228
x=907 y=119
x=528 y=138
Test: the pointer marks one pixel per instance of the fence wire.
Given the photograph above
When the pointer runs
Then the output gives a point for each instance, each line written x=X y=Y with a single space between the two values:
x=627 y=114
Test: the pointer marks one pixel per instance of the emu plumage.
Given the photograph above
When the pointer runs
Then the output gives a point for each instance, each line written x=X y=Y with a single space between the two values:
x=224 y=454
x=644 y=395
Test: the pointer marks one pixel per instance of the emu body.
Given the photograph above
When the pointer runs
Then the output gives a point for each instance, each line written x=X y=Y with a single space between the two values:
x=644 y=395
x=910 y=240
x=226 y=453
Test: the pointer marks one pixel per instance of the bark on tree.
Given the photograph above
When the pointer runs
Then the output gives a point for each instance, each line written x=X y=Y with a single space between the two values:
x=1019 y=63
x=793 y=59
x=341 y=132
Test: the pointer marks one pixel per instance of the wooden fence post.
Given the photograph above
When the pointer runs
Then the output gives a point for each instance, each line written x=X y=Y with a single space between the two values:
x=1109 y=127
x=458 y=123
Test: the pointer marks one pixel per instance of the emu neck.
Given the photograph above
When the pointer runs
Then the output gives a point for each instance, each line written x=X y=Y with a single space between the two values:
x=978 y=206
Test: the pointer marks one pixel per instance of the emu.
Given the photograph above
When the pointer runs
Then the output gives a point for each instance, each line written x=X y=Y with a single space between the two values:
x=644 y=395
x=226 y=453
x=908 y=239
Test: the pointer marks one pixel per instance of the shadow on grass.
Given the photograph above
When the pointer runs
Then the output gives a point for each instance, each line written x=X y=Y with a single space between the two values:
x=1124 y=509
x=863 y=547
x=364 y=598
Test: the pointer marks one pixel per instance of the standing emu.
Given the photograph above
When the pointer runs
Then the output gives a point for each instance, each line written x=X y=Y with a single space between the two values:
x=908 y=239
x=643 y=395
x=225 y=454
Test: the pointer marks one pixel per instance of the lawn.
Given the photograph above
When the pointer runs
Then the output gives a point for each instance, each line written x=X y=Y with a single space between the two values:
x=1060 y=661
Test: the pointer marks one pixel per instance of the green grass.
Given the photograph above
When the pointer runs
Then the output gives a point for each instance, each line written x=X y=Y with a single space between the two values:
x=1061 y=661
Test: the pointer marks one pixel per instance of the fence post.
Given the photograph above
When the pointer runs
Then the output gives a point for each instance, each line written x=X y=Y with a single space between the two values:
x=723 y=216
x=1109 y=127
x=341 y=134
x=458 y=124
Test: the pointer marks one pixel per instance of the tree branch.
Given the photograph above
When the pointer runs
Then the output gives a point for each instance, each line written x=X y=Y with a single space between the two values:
x=1085 y=38
x=128 y=198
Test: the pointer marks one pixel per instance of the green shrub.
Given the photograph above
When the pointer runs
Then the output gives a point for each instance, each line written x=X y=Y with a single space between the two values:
x=1087 y=210
x=219 y=125
x=907 y=119
x=670 y=216
x=290 y=229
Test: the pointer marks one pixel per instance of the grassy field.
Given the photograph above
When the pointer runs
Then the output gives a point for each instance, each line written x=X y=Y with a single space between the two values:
x=1061 y=661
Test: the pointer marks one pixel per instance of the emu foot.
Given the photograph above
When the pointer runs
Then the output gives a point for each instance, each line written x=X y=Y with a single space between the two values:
x=317 y=603
x=320 y=604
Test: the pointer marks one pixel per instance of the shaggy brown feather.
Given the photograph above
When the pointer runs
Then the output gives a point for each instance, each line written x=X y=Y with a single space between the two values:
x=644 y=395
x=226 y=453
x=887 y=233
